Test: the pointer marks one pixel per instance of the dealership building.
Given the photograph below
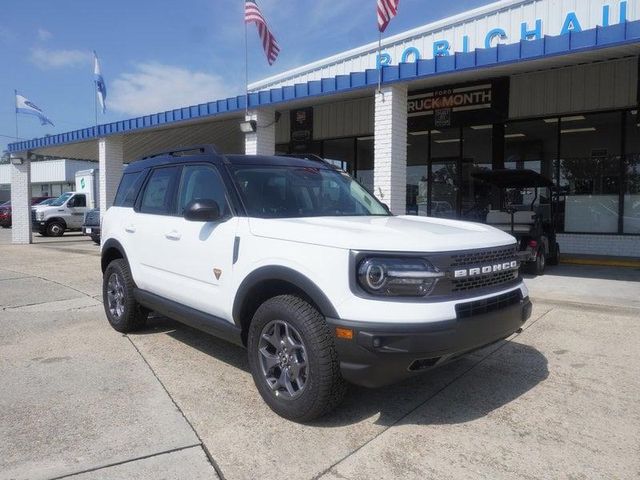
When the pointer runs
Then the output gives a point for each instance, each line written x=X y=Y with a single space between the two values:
x=547 y=85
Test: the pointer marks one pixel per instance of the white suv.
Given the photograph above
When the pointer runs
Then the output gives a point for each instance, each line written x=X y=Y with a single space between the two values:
x=294 y=260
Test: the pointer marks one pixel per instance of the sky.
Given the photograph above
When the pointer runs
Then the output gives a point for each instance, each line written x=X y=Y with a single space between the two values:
x=162 y=54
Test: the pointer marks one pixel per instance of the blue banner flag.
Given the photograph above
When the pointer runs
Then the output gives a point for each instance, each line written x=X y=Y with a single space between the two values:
x=101 y=88
x=23 y=105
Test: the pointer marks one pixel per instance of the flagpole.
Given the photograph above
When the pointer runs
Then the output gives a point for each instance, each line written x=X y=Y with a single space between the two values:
x=379 y=61
x=95 y=102
x=246 y=62
x=15 y=104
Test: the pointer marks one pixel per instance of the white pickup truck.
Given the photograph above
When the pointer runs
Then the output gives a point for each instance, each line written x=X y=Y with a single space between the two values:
x=67 y=211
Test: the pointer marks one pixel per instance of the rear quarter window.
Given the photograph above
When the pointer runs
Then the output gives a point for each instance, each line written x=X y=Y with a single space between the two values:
x=128 y=189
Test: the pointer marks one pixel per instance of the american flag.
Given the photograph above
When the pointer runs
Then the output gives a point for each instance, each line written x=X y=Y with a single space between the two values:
x=252 y=14
x=387 y=9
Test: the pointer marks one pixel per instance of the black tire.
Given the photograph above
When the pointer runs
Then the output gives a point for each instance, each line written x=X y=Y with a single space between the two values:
x=540 y=264
x=123 y=312
x=555 y=259
x=55 y=229
x=5 y=226
x=324 y=388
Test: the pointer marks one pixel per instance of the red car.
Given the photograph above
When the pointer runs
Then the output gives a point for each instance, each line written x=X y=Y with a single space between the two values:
x=5 y=210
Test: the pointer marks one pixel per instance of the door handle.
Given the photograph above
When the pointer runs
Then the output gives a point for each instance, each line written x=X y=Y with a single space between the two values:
x=173 y=235
x=130 y=229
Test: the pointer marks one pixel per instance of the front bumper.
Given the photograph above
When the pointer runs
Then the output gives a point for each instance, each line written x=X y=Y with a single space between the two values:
x=382 y=354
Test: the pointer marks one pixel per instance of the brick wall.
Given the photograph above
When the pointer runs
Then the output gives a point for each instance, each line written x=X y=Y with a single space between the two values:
x=263 y=141
x=607 y=245
x=390 y=147
x=21 y=203
x=110 y=156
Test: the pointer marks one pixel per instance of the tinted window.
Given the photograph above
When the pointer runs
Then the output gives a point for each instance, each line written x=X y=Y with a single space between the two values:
x=58 y=202
x=79 y=201
x=128 y=189
x=159 y=193
x=280 y=192
x=202 y=182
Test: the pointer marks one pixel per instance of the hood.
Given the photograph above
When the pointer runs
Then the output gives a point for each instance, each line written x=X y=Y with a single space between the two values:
x=397 y=234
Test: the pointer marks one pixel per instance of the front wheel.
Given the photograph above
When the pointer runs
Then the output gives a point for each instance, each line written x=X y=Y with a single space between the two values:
x=55 y=229
x=123 y=312
x=293 y=359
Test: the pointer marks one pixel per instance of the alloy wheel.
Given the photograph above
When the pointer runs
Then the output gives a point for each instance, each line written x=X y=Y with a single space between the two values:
x=283 y=359
x=115 y=296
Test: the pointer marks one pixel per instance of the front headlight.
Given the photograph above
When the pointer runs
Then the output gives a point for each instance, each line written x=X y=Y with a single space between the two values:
x=397 y=277
x=40 y=215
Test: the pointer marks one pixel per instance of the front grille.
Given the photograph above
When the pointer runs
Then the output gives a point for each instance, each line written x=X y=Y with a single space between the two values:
x=490 y=280
x=488 y=305
x=92 y=218
x=33 y=215
x=490 y=255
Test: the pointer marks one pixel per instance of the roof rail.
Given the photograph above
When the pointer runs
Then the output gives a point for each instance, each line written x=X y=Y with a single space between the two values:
x=206 y=149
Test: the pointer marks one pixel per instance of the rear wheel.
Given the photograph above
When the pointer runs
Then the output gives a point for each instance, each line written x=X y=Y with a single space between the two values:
x=54 y=229
x=293 y=359
x=123 y=312
x=540 y=264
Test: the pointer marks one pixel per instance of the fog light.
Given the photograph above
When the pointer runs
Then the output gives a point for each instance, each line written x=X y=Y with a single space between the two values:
x=377 y=343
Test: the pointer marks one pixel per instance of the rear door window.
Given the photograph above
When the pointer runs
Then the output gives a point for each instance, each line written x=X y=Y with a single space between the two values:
x=159 y=194
x=128 y=189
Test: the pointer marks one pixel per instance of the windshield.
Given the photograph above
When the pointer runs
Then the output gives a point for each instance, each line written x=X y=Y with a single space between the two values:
x=48 y=201
x=61 y=199
x=293 y=192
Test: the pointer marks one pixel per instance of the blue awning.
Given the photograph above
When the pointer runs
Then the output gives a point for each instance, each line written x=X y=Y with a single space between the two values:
x=524 y=51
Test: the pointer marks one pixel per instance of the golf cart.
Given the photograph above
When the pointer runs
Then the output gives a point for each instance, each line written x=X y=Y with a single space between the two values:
x=527 y=213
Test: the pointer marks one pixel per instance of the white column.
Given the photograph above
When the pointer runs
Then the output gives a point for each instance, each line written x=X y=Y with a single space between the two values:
x=110 y=156
x=21 y=202
x=390 y=157
x=263 y=141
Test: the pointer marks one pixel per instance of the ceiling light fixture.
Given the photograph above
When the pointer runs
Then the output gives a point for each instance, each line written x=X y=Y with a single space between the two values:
x=515 y=135
x=451 y=140
x=481 y=127
x=579 y=130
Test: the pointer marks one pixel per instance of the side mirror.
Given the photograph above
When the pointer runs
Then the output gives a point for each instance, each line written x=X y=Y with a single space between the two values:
x=203 y=210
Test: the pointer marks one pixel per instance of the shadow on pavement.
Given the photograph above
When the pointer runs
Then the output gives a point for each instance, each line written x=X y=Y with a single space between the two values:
x=485 y=388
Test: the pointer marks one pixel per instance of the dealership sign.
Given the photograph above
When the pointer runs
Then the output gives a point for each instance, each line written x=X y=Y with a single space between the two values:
x=587 y=14
x=485 y=102
x=501 y=22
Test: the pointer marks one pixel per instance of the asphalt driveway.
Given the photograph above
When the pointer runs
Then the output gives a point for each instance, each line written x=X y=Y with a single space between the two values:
x=559 y=400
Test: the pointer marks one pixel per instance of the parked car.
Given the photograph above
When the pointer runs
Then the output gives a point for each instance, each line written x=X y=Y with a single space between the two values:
x=5 y=211
x=91 y=225
x=294 y=260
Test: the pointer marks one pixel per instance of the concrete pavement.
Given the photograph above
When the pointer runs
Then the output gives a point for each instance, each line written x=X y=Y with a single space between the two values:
x=557 y=400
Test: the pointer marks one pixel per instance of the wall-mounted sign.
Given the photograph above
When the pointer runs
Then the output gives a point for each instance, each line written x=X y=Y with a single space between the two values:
x=302 y=124
x=468 y=104
x=504 y=22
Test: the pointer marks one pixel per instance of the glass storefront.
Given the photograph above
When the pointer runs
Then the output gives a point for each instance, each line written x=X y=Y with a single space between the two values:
x=440 y=165
x=592 y=159
x=631 y=217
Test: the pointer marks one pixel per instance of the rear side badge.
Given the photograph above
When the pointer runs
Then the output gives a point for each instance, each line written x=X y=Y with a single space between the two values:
x=217 y=272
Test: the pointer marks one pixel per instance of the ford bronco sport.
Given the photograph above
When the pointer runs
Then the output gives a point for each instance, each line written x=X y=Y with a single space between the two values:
x=294 y=260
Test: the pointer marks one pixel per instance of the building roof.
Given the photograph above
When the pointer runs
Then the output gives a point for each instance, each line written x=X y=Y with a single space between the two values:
x=549 y=47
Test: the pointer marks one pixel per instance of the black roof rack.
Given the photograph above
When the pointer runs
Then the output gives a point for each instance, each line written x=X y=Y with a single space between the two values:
x=185 y=151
